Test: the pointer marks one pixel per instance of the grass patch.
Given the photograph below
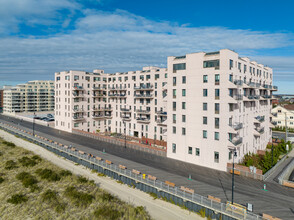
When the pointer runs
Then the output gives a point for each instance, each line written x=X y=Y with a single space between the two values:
x=48 y=174
x=51 y=198
x=1 y=179
x=82 y=179
x=80 y=199
x=9 y=144
x=107 y=212
x=65 y=173
x=28 y=180
x=17 y=199
x=28 y=162
x=10 y=164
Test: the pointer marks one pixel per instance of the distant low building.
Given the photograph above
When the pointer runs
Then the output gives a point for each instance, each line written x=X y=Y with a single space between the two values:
x=279 y=115
x=1 y=100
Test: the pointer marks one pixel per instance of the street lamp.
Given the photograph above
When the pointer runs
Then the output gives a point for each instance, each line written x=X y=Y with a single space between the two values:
x=233 y=174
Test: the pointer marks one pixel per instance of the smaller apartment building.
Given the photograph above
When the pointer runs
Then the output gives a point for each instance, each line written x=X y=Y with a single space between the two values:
x=1 y=100
x=131 y=103
x=33 y=96
x=279 y=114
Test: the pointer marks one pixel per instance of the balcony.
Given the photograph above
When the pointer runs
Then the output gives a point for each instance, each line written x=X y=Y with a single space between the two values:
x=77 y=110
x=143 y=87
x=117 y=89
x=97 y=116
x=161 y=122
x=236 y=141
x=161 y=113
x=143 y=111
x=237 y=126
x=257 y=97
x=77 y=118
x=108 y=116
x=122 y=96
x=260 y=129
x=125 y=118
x=275 y=88
x=143 y=120
x=238 y=82
x=107 y=108
x=125 y=109
x=98 y=88
x=97 y=109
x=78 y=88
x=260 y=118
x=141 y=96
x=267 y=96
x=98 y=94
x=274 y=123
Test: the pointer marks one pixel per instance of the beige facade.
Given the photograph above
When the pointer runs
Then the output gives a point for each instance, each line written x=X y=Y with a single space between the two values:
x=279 y=115
x=99 y=102
x=33 y=96
x=216 y=102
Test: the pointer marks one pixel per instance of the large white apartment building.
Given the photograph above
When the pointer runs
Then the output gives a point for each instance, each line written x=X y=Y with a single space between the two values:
x=280 y=113
x=33 y=96
x=99 y=102
x=216 y=102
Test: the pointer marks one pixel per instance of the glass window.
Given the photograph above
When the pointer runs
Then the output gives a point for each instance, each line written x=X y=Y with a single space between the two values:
x=179 y=66
x=204 y=134
x=217 y=93
x=216 y=136
x=174 y=106
x=189 y=150
x=216 y=108
x=230 y=155
x=183 y=105
x=205 y=78
x=205 y=120
x=183 y=131
x=174 y=130
x=184 y=79
x=174 y=81
x=174 y=93
x=216 y=78
x=174 y=118
x=156 y=76
x=231 y=64
x=183 y=118
x=197 y=152
x=231 y=78
x=205 y=92
x=174 y=148
x=204 y=106
x=183 y=92
x=216 y=157
x=216 y=122
x=211 y=63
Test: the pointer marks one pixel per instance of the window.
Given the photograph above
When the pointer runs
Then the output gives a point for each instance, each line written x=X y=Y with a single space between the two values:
x=230 y=155
x=245 y=68
x=184 y=79
x=231 y=78
x=174 y=93
x=205 y=120
x=174 y=118
x=174 y=106
x=174 y=81
x=216 y=122
x=183 y=131
x=174 y=130
x=216 y=136
x=279 y=111
x=156 y=76
x=179 y=66
x=204 y=106
x=204 y=134
x=76 y=125
x=216 y=108
x=205 y=78
x=174 y=148
x=205 y=93
x=211 y=63
x=165 y=75
x=216 y=79
x=197 y=151
x=189 y=150
x=183 y=118
x=216 y=157
x=231 y=64
x=217 y=93
x=183 y=105
x=183 y=92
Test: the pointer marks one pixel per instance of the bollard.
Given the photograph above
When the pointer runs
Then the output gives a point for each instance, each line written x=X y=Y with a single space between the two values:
x=190 y=177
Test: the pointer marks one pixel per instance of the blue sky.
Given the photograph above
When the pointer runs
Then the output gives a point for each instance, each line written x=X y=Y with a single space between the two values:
x=40 y=37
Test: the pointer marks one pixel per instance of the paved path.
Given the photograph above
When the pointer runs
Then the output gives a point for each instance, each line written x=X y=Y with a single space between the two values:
x=277 y=201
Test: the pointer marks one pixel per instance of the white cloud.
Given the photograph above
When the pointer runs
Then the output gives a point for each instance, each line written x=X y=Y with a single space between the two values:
x=120 y=41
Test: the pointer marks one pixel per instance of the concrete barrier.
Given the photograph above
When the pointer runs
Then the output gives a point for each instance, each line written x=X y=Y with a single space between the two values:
x=136 y=171
x=122 y=167
x=269 y=217
x=214 y=198
x=170 y=183
x=108 y=162
x=288 y=183
x=152 y=177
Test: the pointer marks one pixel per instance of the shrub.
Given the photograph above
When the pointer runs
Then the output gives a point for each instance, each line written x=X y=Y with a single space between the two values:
x=37 y=158
x=9 y=144
x=48 y=174
x=82 y=179
x=10 y=164
x=27 y=180
x=107 y=212
x=17 y=199
x=80 y=199
x=107 y=197
x=65 y=173
x=1 y=154
x=140 y=210
x=49 y=196
x=202 y=213
x=154 y=195
x=27 y=162
x=101 y=174
x=1 y=179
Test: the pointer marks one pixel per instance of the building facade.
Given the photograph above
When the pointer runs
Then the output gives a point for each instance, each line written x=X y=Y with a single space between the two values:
x=131 y=103
x=279 y=116
x=216 y=103
x=33 y=96
x=1 y=100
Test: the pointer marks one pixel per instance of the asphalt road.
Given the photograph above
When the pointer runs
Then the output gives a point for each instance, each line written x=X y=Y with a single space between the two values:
x=282 y=135
x=277 y=201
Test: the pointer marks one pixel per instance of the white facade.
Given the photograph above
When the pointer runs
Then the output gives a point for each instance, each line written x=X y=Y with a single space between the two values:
x=279 y=115
x=215 y=102
x=33 y=96
x=99 y=102
x=223 y=102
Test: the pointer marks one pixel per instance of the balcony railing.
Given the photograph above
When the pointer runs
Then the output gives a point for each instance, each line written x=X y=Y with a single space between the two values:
x=237 y=126
x=142 y=111
x=161 y=113
x=236 y=141
x=238 y=82
x=77 y=118
x=260 y=118
x=99 y=88
x=143 y=120
x=78 y=110
x=257 y=97
x=78 y=88
x=97 y=116
x=144 y=87
x=260 y=129
x=148 y=96
x=125 y=109
x=267 y=96
x=124 y=118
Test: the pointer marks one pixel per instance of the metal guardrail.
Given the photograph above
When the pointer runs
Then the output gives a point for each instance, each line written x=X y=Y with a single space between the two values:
x=157 y=184
x=284 y=173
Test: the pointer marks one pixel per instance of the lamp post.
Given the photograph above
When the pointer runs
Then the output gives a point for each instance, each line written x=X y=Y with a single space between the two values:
x=233 y=174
